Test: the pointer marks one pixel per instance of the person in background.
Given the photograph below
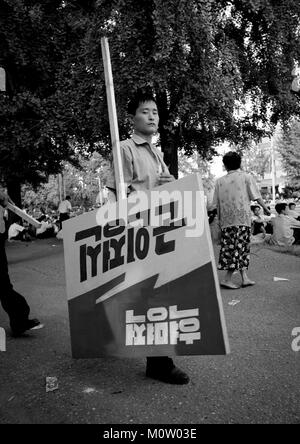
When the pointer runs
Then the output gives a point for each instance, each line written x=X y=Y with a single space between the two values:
x=232 y=199
x=284 y=227
x=145 y=169
x=46 y=229
x=64 y=209
x=258 y=221
x=292 y=211
x=17 y=231
x=12 y=302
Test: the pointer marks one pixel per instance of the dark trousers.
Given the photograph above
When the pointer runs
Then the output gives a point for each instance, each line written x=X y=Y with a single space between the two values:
x=48 y=233
x=62 y=217
x=159 y=363
x=12 y=302
x=297 y=236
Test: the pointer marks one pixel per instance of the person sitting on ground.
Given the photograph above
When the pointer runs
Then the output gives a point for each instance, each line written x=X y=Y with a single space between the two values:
x=258 y=222
x=55 y=224
x=292 y=211
x=283 y=227
x=16 y=231
x=45 y=230
x=258 y=226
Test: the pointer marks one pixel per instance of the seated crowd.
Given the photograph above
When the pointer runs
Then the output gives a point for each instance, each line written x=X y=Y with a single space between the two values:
x=281 y=230
x=22 y=231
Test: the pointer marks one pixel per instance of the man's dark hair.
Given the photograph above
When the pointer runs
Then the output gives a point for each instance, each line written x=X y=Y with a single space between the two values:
x=254 y=206
x=291 y=204
x=280 y=207
x=68 y=198
x=232 y=160
x=138 y=98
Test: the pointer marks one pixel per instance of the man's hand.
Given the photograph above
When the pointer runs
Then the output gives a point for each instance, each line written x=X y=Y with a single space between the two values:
x=165 y=178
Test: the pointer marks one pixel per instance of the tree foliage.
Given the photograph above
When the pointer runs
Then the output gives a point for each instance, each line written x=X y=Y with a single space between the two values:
x=33 y=140
x=221 y=70
x=288 y=146
x=195 y=164
x=81 y=183
x=256 y=157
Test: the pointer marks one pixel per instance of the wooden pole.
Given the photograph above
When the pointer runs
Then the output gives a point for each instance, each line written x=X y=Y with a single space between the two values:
x=59 y=184
x=113 y=121
x=31 y=220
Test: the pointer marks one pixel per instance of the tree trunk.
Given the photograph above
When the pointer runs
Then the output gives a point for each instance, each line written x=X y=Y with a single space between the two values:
x=14 y=192
x=170 y=150
x=167 y=139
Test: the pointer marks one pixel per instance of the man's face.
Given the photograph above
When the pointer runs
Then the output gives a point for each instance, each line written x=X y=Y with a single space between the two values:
x=292 y=207
x=146 y=119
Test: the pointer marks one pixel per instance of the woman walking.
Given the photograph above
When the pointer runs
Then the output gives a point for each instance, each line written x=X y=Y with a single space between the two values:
x=232 y=199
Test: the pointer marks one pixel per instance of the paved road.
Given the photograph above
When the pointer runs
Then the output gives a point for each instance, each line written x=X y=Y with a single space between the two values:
x=259 y=382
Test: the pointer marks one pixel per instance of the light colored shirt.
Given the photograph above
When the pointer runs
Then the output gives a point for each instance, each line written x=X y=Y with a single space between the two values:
x=293 y=213
x=259 y=219
x=14 y=230
x=64 y=206
x=44 y=227
x=142 y=165
x=294 y=222
x=232 y=198
x=282 y=230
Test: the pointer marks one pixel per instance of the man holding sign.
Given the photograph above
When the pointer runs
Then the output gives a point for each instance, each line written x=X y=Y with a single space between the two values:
x=144 y=169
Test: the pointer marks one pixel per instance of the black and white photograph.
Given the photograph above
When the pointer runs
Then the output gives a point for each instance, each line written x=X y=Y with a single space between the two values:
x=149 y=215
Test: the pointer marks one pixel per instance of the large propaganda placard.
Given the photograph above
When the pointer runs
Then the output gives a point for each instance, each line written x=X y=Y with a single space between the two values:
x=141 y=277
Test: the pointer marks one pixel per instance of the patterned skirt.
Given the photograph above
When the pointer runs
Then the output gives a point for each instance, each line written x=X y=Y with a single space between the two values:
x=235 y=248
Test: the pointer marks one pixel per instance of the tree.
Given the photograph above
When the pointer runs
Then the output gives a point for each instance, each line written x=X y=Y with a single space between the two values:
x=84 y=183
x=221 y=70
x=288 y=145
x=256 y=157
x=195 y=164
x=81 y=183
x=36 y=124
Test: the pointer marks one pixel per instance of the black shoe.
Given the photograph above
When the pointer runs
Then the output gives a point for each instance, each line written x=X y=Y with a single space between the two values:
x=171 y=376
x=30 y=324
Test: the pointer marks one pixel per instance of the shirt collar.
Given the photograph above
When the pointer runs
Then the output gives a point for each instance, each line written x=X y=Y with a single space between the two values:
x=138 y=140
x=233 y=171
